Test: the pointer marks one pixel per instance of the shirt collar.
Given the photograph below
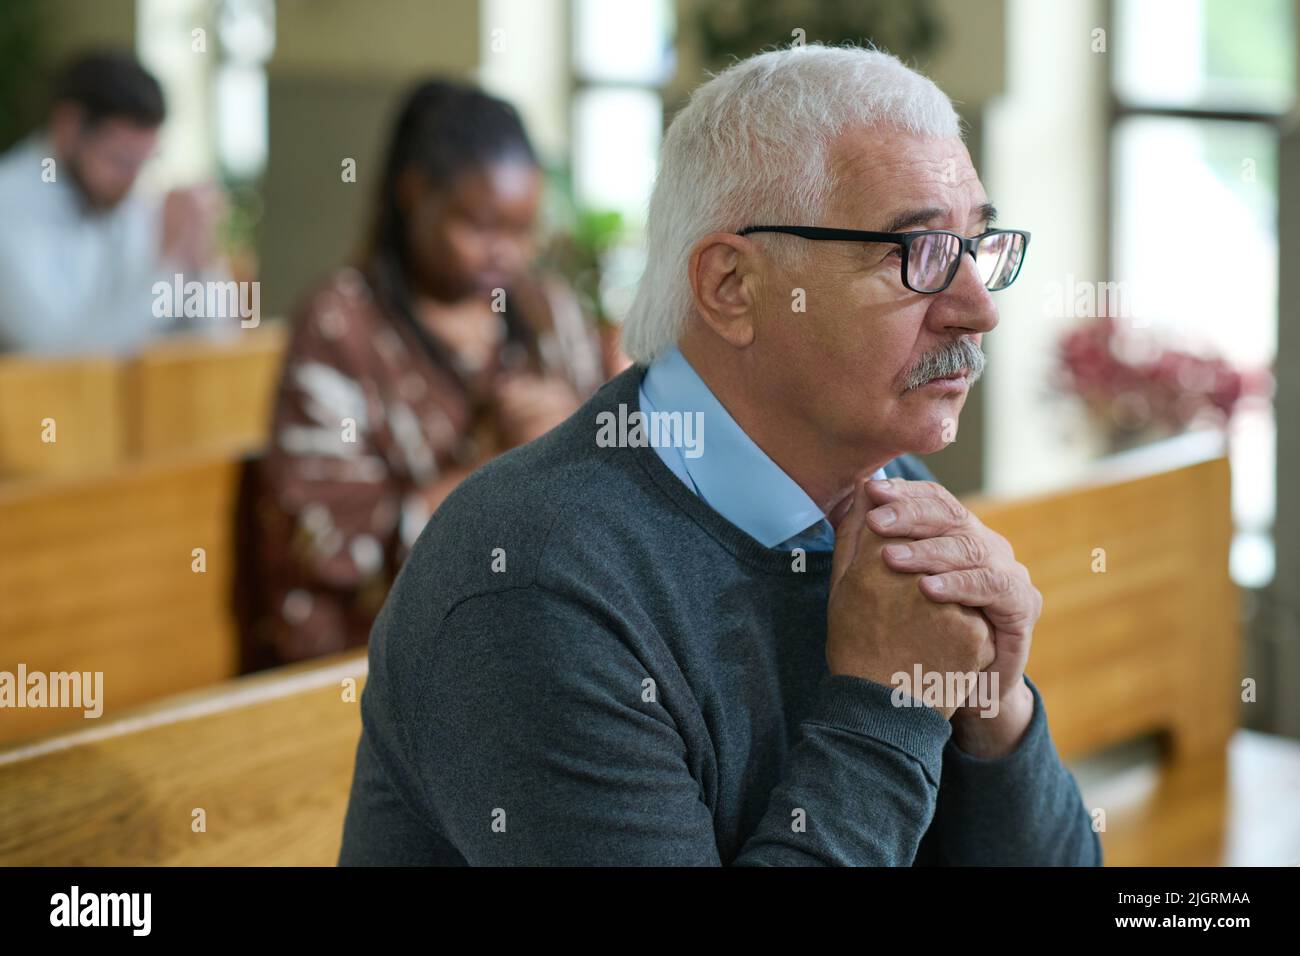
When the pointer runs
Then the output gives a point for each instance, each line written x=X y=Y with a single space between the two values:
x=733 y=475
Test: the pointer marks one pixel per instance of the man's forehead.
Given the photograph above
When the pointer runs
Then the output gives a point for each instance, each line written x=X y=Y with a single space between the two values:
x=862 y=148
x=908 y=179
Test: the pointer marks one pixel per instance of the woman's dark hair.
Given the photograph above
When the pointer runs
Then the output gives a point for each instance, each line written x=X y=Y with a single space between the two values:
x=445 y=128
x=111 y=85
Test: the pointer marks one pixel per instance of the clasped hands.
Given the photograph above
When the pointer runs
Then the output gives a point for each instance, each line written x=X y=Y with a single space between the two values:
x=919 y=580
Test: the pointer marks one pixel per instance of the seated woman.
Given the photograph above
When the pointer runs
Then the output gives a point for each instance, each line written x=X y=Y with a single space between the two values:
x=438 y=351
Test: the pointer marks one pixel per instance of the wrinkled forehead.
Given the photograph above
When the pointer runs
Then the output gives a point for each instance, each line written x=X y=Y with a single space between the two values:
x=883 y=176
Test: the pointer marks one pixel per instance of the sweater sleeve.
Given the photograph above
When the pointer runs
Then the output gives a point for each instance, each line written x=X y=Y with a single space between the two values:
x=1023 y=809
x=538 y=740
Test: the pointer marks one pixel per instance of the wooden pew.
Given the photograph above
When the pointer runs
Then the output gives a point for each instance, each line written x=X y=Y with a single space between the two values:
x=82 y=396
x=267 y=758
x=1152 y=644
x=180 y=393
x=96 y=574
x=191 y=392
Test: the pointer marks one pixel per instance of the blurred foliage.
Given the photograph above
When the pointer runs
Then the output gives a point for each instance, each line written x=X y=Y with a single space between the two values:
x=239 y=228
x=23 y=26
x=578 y=239
x=740 y=28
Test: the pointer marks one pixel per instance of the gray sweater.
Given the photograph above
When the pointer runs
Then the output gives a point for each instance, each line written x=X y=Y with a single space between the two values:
x=582 y=663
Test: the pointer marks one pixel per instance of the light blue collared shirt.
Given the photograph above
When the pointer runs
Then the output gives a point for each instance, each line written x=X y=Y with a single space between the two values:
x=733 y=475
x=73 y=280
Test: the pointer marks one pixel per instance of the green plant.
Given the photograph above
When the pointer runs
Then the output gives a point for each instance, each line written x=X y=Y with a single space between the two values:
x=23 y=66
x=240 y=226
x=579 y=238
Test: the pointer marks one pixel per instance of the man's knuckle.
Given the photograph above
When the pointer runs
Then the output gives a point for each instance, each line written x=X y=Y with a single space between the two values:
x=996 y=580
x=974 y=550
x=952 y=509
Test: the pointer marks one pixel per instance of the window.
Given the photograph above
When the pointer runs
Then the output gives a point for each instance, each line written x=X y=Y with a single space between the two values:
x=622 y=54
x=1199 y=90
x=211 y=61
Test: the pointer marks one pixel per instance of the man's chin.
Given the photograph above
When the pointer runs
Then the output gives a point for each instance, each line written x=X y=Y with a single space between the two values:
x=926 y=444
x=99 y=204
x=936 y=425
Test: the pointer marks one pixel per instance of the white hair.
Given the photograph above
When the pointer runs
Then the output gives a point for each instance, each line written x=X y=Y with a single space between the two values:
x=752 y=148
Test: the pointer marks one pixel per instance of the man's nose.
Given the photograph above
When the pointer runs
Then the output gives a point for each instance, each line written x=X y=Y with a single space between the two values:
x=966 y=305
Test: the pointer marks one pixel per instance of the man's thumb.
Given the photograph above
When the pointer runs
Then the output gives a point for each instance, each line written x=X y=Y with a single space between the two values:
x=848 y=523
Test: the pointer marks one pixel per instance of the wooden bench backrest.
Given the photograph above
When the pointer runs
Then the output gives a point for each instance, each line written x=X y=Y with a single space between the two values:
x=182 y=394
x=267 y=759
x=82 y=398
x=97 y=574
x=1150 y=644
x=187 y=393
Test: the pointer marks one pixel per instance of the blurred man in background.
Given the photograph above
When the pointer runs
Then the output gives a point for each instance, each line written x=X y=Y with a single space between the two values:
x=80 y=246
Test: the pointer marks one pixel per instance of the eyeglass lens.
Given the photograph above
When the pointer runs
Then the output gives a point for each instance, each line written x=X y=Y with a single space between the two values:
x=932 y=260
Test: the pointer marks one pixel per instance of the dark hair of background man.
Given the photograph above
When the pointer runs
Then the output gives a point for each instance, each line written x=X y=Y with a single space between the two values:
x=110 y=85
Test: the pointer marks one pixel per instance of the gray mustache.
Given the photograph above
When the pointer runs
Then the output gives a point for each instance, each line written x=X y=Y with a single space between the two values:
x=949 y=360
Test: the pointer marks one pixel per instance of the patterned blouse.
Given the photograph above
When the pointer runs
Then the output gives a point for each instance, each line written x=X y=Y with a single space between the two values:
x=371 y=410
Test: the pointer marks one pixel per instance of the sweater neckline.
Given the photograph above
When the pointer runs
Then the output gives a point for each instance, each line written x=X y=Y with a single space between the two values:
x=624 y=390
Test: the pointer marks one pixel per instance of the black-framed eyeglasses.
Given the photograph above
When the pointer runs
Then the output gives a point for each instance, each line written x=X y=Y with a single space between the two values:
x=932 y=257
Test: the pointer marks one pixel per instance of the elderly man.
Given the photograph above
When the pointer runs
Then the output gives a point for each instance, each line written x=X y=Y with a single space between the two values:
x=617 y=646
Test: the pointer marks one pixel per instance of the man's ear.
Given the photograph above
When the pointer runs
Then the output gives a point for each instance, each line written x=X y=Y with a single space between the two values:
x=724 y=278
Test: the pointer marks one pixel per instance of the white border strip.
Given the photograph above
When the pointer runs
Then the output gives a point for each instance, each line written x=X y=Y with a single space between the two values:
x=244 y=697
